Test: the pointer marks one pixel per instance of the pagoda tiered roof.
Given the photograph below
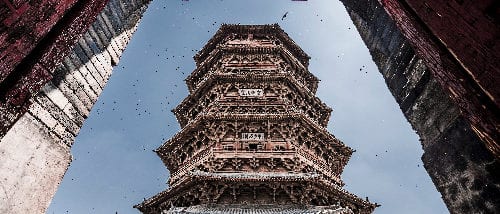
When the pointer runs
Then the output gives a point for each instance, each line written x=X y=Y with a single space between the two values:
x=253 y=135
x=207 y=66
x=194 y=179
x=172 y=145
x=272 y=29
x=214 y=79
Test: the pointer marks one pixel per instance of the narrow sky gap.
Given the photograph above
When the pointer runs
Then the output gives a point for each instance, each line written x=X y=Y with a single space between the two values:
x=114 y=166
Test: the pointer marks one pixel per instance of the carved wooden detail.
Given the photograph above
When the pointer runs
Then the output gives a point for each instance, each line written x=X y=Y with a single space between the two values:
x=280 y=135
x=299 y=190
x=253 y=131
x=276 y=95
x=261 y=62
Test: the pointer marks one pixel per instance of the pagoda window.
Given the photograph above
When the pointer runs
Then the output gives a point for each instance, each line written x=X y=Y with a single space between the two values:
x=279 y=148
x=253 y=146
x=326 y=157
x=311 y=115
x=308 y=144
x=268 y=91
x=190 y=151
x=183 y=157
x=318 y=151
x=198 y=144
x=194 y=113
x=213 y=96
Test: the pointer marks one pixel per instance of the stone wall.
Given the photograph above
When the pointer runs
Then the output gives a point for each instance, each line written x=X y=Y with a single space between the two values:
x=35 y=152
x=460 y=165
x=34 y=38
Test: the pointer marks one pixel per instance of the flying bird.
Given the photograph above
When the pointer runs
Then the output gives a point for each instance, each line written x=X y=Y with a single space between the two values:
x=283 y=17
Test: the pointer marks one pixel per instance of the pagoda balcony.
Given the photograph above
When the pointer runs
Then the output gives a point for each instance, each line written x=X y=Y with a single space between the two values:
x=295 y=156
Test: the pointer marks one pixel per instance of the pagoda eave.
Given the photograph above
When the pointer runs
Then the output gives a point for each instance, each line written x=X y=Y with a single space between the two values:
x=213 y=79
x=169 y=144
x=273 y=29
x=169 y=197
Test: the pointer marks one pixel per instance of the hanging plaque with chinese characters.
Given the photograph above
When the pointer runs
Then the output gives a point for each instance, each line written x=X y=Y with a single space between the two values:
x=251 y=92
x=252 y=136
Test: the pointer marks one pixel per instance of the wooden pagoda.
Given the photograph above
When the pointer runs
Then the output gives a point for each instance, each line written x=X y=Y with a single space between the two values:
x=253 y=137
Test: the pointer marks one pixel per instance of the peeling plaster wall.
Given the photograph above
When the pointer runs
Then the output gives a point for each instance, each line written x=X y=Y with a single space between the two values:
x=35 y=152
x=464 y=171
x=36 y=162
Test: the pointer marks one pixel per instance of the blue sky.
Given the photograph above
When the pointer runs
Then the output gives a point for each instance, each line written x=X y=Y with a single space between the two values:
x=114 y=166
